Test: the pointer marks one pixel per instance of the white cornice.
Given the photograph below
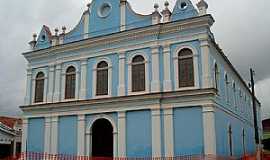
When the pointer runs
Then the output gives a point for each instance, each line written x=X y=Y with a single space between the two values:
x=136 y=102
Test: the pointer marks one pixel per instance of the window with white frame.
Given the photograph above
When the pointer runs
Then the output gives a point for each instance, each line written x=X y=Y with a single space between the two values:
x=39 y=88
x=230 y=140
x=216 y=77
x=227 y=88
x=234 y=95
x=185 y=68
x=243 y=141
x=70 y=84
x=102 y=78
x=138 y=74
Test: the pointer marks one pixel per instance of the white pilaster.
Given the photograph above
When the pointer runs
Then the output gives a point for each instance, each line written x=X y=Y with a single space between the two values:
x=167 y=83
x=83 y=88
x=209 y=130
x=86 y=25
x=54 y=135
x=14 y=147
x=168 y=132
x=24 y=134
x=57 y=86
x=121 y=134
x=123 y=15
x=81 y=135
x=205 y=51
x=27 y=99
x=51 y=84
x=121 y=85
x=88 y=139
x=155 y=84
x=156 y=133
x=47 y=135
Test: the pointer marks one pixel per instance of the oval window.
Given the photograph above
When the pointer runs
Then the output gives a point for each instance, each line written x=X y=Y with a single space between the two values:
x=183 y=5
x=104 y=10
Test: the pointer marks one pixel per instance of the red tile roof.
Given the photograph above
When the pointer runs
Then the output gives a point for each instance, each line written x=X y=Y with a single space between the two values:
x=9 y=121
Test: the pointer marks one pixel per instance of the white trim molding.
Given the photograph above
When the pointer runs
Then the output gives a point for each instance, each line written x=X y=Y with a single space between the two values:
x=81 y=135
x=51 y=83
x=206 y=70
x=83 y=86
x=86 y=24
x=155 y=83
x=54 y=135
x=209 y=130
x=122 y=134
x=27 y=99
x=146 y=62
x=24 y=134
x=89 y=133
x=167 y=82
x=156 y=133
x=47 y=135
x=121 y=85
x=57 y=85
x=63 y=75
x=94 y=88
x=123 y=15
x=168 y=132
x=195 y=67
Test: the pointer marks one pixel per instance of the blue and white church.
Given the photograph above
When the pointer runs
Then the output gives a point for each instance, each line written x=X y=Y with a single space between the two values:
x=123 y=84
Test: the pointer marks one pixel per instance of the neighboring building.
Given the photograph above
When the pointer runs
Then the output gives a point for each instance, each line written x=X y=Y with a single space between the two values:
x=266 y=134
x=124 y=84
x=10 y=136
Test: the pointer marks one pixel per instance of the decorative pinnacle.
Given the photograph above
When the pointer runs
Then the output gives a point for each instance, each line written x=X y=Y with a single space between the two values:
x=166 y=4
x=156 y=6
x=64 y=29
x=34 y=37
x=202 y=3
x=56 y=31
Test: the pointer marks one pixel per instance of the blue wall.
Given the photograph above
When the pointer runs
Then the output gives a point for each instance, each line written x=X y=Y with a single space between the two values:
x=76 y=34
x=35 y=138
x=222 y=123
x=188 y=131
x=101 y=26
x=134 y=20
x=67 y=135
x=138 y=132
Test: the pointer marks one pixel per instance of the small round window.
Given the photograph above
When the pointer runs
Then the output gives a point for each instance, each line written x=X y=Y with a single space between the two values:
x=105 y=10
x=183 y=5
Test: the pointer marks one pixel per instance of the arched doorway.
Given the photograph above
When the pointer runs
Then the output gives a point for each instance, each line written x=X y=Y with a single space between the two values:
x=102 y=138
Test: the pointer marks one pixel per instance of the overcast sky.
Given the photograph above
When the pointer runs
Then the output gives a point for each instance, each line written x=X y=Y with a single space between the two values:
x=242 y=29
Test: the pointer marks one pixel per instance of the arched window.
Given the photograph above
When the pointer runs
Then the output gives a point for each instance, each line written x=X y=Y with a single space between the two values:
x=185 y=68
x=102 y=79
x=227 y=88
x=70 y=83
x=234 y=96
x=216 y=77
x=138 y=74
x=230 y=141
x=39 y=88
x=243 y=141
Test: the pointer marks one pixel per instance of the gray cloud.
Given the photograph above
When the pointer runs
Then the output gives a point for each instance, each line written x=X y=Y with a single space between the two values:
x=241 y=29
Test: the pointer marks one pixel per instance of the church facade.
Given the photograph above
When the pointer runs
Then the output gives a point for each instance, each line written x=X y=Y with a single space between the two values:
x=122 y=84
